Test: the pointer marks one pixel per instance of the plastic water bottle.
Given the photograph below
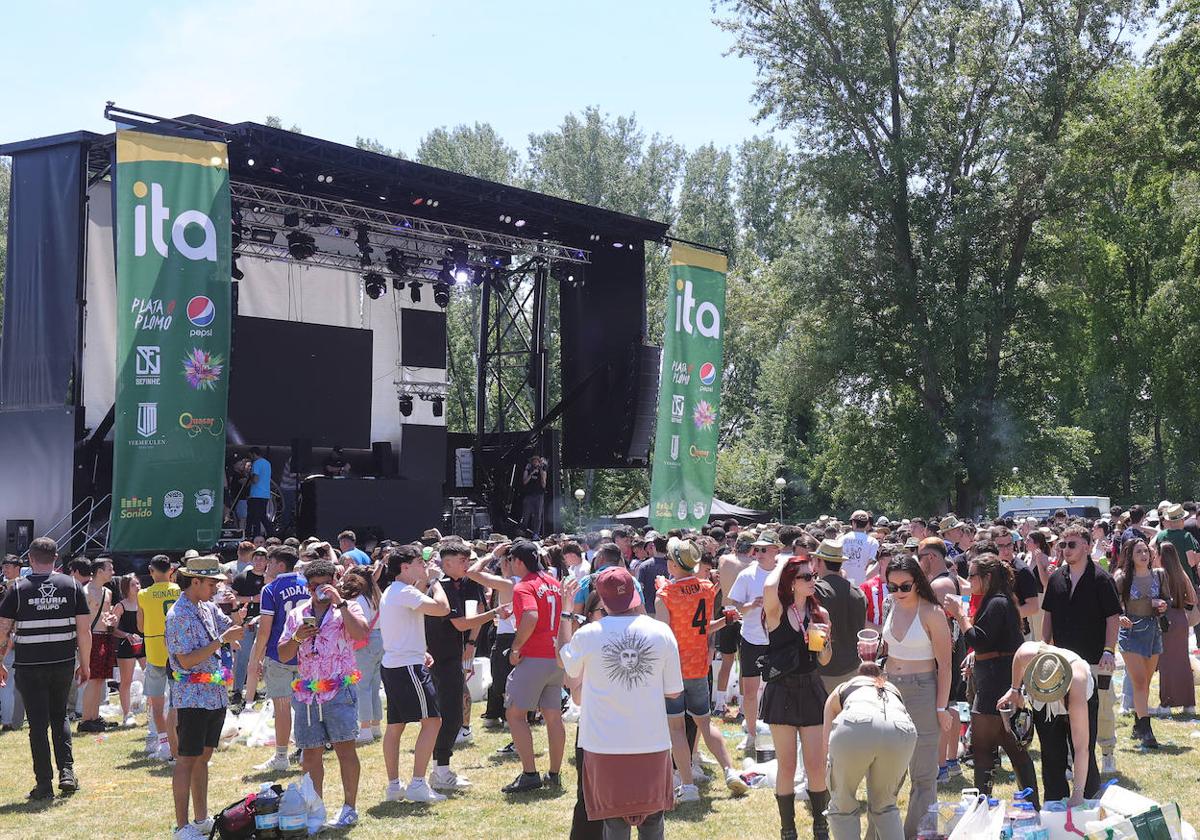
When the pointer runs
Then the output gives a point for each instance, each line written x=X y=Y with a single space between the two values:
x=266 y=813
x=927 y=829
x=292 y=814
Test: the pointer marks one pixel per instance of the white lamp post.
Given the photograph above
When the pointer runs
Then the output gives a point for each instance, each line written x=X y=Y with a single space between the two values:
x=579 y=494
x=780 y=483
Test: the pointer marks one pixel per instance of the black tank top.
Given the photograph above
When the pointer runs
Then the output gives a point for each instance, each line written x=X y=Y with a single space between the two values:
x=783 y=643
x=127 y=623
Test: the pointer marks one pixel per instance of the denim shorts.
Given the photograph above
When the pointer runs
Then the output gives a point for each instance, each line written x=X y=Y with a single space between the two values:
x=696 y=699
x=1144 y=638
x=154 y=680
x=331 y=722
x=277 y=678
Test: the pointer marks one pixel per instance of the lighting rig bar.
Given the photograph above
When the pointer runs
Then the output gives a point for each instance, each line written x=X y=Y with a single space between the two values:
x=424 y=390
x=392 y=224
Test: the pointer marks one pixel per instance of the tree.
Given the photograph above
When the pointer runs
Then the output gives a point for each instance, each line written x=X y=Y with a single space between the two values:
x=470 y=150
x=275 y=122
x=706 y=200
x=370 y=144
x=932 y=136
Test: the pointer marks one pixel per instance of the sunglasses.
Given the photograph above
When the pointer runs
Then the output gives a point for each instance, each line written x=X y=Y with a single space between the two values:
x=1069 y=543
x=900 y=587
x=807 y=577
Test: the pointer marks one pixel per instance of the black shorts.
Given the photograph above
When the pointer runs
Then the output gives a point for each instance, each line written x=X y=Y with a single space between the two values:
x=728 y=638
x=198 y=729
x=794 y=700
x=748 y=659
x=411 y=695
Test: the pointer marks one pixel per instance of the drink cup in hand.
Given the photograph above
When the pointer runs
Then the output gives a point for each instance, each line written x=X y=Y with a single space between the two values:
x=731 y=615
x=868 y=644
x=817 y=634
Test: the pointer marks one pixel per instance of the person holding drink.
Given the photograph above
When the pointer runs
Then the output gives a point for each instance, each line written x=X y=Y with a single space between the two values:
x=793 y=701
x=917 y=642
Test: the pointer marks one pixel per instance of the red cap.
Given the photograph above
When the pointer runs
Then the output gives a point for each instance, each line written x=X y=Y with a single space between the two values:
x=617 y=590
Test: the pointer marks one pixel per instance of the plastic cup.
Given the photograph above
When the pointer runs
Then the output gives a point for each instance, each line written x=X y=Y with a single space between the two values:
x=816 y=639
x=868 y=644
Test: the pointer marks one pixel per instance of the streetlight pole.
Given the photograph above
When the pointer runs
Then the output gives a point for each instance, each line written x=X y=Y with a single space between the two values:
x=579 y=494
x=780 y=484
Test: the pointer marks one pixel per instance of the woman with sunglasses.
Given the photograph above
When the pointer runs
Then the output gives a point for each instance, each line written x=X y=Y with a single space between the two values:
x=917 y=642
x=995 y=635
x=1143 y=593
x=793 y=702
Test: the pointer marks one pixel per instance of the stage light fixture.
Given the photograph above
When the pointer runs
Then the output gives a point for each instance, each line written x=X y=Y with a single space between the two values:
x=363 y=240
x=519 y=223
x=276 y=167
x=444 y=274
x=460 y=255
x=318 y=220
x=418 y=201
x=479 y=275
x=437 y=406
x=261 y=234
x=249 y=161
x=432 y=202
x=406 y=405
x=291 y=219
x=374 y=284
x=414 y=291
x=301 y=245
x=397 y=262
x=618 y=244
x=441 y=295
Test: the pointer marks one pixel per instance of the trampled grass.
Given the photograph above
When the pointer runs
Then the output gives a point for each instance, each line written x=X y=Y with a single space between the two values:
x=127 y=796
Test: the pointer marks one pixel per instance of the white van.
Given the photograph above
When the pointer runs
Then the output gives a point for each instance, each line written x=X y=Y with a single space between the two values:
x=1089 y=507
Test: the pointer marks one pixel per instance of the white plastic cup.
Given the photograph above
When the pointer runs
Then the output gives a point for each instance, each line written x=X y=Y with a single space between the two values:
x=868 y=644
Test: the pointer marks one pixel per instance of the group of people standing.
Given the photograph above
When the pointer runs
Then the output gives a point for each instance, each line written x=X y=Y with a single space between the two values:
x=852 y=643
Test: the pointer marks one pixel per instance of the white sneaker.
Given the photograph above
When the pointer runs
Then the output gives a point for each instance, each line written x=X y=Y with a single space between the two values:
x=188 y=832
x=346 y=818
x=130 y=720
x=443 y=778
x=364 y=736
x=376 y=732
x=464 y=736
x=705 y=758
x=418 y=790
x=203 y=826
x=163 y=751
x=687 y=793
x=275 y=764
x=395 y=792
x=151 y=744
x=1108 y=764
x=698 y=774
x=735 y=783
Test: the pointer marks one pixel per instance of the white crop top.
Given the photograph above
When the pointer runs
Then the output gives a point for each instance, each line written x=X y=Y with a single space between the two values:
x=914 y=646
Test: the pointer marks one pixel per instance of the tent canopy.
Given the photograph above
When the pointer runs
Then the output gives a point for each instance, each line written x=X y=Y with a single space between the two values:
x=719 y=510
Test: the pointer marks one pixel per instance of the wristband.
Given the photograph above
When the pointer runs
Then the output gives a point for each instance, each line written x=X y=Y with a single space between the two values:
x=941 y=709
x=1109 y=651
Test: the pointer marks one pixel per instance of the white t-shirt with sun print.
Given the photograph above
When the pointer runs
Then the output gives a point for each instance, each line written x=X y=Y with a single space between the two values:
x=629 y=664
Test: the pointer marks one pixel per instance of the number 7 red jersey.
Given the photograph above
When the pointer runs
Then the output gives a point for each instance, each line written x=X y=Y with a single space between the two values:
x=539 y=592
x=690 y=602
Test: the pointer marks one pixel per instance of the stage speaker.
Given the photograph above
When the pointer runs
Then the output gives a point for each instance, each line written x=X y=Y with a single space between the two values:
x=641 y=414
x=381 y=458
x=18 y=536
x=302 y=456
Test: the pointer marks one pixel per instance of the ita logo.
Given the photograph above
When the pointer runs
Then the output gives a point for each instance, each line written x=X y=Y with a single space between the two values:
x=159 y=213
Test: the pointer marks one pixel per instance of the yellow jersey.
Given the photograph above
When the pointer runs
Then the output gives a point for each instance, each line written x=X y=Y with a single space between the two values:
x=154 y=602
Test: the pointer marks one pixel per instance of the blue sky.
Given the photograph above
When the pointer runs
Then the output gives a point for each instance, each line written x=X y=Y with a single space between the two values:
x=387 y=70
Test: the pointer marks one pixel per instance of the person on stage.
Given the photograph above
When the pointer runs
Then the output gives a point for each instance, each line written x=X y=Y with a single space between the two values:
x=533 y=495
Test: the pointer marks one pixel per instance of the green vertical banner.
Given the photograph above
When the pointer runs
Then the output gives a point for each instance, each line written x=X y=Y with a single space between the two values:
x=689 y=393
x=173 y=320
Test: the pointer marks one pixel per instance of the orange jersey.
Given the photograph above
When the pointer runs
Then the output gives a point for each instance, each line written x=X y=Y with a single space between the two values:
x=691 y=602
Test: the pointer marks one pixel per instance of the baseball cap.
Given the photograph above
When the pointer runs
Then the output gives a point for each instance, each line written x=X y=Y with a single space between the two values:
x=617 y=590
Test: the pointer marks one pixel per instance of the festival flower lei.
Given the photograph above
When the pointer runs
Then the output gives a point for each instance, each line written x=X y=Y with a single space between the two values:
x=221 y=677
x=325 y=685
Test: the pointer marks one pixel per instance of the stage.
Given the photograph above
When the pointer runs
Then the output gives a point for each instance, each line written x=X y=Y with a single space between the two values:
x=343 y=264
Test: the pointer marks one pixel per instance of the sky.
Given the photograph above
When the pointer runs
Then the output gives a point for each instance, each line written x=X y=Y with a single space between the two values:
x=391 y=71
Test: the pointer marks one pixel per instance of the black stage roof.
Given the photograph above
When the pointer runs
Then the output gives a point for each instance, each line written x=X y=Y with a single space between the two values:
x=289 y=161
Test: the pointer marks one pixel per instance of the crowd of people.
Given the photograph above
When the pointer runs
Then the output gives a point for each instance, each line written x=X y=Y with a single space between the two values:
x=853 y=642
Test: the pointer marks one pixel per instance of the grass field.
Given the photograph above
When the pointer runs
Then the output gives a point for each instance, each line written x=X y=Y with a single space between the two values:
x=126 y=796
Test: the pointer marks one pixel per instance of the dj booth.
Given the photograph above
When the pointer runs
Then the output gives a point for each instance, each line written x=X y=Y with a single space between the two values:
x=368 y=506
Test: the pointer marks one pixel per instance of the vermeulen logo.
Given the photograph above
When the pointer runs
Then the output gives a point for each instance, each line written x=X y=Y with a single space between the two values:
x=137 y=507
x=160 y=213
x=147 y=419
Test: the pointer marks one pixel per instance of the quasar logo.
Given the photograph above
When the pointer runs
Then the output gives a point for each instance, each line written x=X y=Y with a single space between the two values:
x=194 y=425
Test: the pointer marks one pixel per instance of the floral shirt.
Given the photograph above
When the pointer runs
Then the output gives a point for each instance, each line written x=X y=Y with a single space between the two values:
x=191 y=626
x=329 y=656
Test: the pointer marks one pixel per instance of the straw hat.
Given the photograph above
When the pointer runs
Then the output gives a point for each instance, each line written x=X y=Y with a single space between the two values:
x=1048 y=677
x=830 y=551
x=203 y=567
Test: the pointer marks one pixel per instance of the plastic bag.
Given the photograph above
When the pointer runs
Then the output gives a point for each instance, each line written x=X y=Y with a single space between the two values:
x=263 y=732
x=480 y=680
x=313 y=804
x=974 y=823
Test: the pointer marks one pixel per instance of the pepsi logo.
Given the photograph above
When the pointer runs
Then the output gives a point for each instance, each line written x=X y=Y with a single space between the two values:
x=708 y=373
x=200 y=311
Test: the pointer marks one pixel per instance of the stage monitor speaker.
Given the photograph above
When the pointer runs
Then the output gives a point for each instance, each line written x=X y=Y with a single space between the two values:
x=302 y=456
x=393 y=508
x=603 y=327
x=641 y=415
x=18 y=534
x=381 y=457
